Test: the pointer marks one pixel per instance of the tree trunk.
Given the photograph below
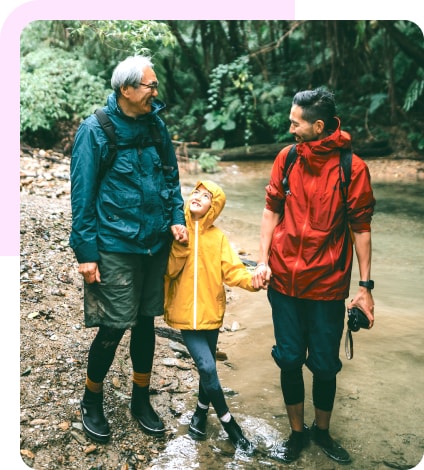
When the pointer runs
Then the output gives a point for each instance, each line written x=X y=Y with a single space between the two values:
x=270 y=151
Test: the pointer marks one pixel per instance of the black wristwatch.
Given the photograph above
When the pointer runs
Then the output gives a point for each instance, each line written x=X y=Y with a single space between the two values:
x=368 y=284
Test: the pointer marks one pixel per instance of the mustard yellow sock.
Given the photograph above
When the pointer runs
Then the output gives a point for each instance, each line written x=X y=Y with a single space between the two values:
x=95 y=387
x=142 y=379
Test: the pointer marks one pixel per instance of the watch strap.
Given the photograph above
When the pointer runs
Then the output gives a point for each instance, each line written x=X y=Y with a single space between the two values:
x=368 y=284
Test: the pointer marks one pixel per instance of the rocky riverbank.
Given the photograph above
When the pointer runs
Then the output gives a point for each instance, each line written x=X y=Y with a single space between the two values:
x=54 y=344
x=54 y=341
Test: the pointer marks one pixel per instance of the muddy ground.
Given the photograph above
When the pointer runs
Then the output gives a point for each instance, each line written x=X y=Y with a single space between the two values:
x=54 y=342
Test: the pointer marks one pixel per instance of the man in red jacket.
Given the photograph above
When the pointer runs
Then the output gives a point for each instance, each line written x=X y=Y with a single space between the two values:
x=304 y=233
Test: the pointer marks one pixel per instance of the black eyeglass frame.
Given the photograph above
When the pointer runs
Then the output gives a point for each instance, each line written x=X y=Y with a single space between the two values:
x=152 y=86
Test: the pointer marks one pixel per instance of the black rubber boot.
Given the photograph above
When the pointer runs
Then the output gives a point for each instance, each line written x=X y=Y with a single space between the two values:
x=237 y=438
x=143 y=412
x=94 y=423
x=197 y=427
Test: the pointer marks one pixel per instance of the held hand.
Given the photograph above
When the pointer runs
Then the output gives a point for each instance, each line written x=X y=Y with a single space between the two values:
x=180 y=234
x=364 y=301
x=261 y=276
x=90 y=272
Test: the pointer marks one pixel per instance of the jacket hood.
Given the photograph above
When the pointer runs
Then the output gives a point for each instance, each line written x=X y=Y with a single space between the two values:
x=112 y=104
x=317 y=152
x=336 y=140
x=217 y=204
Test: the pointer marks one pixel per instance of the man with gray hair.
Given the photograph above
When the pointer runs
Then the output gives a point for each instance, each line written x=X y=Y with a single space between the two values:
x=124 y=217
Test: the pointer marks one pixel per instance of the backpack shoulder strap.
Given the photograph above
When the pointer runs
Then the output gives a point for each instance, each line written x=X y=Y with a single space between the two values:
x=346 y=163
x=109 y=130
x=157 y=139
x=346 y=167
x=106 y=124
x=290 y=159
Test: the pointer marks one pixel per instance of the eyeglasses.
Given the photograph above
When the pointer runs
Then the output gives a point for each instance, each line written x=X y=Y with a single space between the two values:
x=152 y=86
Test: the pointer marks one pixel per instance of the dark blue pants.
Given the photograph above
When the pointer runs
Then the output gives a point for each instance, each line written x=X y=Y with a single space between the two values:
x=201 y=345
x=307 y=332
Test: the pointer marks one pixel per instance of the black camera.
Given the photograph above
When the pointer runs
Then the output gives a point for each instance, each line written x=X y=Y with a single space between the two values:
x=356 y=319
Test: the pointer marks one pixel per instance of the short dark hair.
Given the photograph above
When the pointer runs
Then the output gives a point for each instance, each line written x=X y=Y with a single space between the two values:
x=317 y=104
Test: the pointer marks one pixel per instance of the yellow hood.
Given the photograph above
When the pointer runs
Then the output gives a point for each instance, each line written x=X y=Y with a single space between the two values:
x=217 y=205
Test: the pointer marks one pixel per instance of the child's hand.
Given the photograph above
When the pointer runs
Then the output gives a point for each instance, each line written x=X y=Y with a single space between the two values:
x=180 y=234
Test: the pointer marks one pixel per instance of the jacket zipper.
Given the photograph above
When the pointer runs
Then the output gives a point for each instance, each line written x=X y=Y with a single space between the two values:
x=330 y=251
x=308 y=208
x=196 y=249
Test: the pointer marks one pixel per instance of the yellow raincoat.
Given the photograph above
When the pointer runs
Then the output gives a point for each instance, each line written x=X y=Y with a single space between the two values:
x=194 y=283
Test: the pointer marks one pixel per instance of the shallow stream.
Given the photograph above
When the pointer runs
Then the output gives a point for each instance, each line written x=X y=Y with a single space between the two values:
x=378 y=414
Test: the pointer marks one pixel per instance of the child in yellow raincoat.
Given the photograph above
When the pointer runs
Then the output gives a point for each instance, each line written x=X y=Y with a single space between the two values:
x=195 y=301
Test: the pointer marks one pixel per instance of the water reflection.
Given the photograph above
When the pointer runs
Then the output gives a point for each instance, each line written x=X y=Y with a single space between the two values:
x=216 y=452
x=378 y=414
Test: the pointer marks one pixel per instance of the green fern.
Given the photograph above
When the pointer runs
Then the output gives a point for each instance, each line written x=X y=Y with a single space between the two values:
x=414 y=91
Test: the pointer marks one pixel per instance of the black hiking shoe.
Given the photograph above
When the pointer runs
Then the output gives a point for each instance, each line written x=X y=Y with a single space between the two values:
x=289 y=450
x=329 y=446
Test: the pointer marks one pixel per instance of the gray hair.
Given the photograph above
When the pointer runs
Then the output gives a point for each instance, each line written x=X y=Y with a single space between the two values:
x=130 y=72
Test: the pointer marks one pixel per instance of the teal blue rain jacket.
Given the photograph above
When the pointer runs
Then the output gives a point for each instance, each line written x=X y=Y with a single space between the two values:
x=130 y=209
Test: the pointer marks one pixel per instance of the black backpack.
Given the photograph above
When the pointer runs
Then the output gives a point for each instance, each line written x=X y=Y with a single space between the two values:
x=109 y=130
x=345 y=167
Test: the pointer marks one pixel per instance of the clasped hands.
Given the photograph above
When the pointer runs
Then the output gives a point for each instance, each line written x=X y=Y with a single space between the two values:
x=261 y=276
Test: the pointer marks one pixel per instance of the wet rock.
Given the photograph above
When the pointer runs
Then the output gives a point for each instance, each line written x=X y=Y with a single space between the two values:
x=172 y=361
x=179 y=348
x=235 y=326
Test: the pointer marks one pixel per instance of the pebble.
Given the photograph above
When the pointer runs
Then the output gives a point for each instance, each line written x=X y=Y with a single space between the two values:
x=172 y=361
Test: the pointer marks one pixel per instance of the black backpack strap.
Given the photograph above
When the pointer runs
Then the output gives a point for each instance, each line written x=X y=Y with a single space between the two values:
x=109 y=130
x=106 y=124
x=288 y=164
x=345 y=167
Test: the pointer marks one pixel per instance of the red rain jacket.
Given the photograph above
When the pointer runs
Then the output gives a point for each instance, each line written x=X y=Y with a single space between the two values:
x=307 y=243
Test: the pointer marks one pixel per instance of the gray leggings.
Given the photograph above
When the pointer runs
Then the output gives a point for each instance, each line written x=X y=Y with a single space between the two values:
x=201 y=345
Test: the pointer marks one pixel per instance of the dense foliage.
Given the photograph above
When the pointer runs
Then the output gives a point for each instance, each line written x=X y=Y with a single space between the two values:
x=55 y=86
x=229 y=83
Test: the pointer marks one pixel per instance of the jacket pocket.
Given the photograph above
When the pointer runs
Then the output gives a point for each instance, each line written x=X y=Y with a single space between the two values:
x=121 y=213
x=323 y=210
x=122 y=173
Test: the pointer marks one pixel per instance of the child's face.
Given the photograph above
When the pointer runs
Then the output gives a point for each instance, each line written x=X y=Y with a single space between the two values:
x=199 y=201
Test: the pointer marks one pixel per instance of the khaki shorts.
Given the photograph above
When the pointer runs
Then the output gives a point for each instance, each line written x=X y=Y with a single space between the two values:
x=131 y=286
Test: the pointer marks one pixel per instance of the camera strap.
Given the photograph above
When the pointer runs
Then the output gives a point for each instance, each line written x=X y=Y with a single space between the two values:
x=349 y=344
